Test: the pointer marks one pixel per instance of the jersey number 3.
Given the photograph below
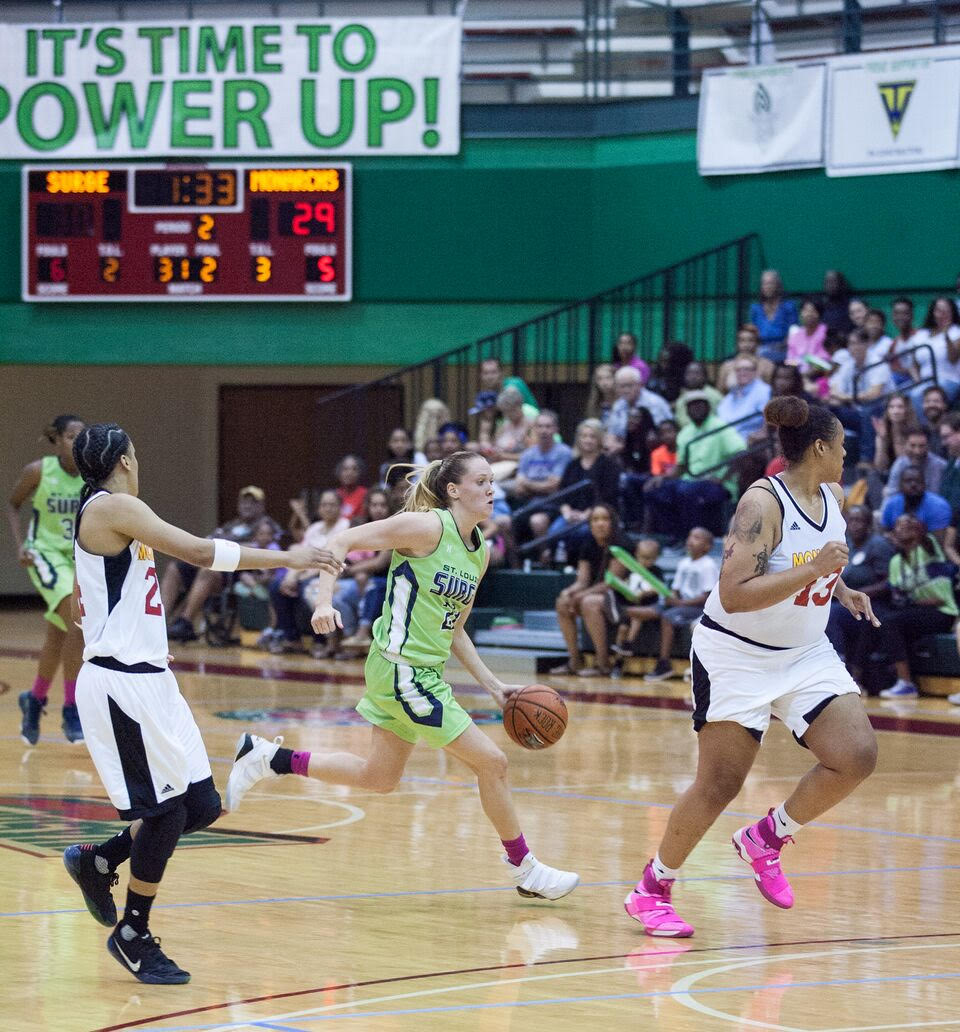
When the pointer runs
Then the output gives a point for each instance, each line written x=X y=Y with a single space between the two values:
x=821 y=598
x=151 y=607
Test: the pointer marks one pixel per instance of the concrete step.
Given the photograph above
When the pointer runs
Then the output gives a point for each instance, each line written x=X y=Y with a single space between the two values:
x=521 y=639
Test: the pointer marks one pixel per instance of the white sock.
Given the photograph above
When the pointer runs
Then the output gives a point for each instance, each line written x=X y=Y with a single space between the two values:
x=660 y=870
x=784 y=823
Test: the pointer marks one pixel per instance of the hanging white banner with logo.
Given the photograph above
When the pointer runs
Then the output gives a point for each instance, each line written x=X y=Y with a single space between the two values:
x=761 y=119
x=894 y=112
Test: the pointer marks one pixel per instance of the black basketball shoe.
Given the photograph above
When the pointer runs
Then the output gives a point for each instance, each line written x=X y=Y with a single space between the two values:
x=142 y=957
x=92 y=873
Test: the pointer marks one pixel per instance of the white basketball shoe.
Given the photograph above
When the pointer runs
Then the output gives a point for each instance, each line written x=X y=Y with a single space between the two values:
x=538 y=881
x=250 y=765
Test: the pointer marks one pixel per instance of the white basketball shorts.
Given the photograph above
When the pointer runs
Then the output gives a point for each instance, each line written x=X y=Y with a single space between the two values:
x=142 y=737
x=746 y=682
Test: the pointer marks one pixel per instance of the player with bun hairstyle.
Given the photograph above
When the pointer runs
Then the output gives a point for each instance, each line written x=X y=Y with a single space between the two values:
x=47 y=553
x=139 y=729
x=439 y=557
x=760 y=649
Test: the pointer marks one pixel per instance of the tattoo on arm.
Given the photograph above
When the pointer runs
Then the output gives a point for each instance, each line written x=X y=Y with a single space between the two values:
x=763 y=559
x=748 y=521
x=727 y=552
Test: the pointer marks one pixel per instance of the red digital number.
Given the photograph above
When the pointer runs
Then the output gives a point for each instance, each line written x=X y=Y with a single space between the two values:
x=300 y=220
x=328 y=272
x=151 y=607
x=58 y=271
x=323 y=212
x=821 y=598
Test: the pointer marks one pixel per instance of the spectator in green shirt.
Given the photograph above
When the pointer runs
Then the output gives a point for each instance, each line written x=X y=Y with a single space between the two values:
x=694 y=493
x=922 y=602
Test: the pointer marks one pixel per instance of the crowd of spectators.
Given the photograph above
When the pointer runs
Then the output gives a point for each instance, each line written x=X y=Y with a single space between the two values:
x=662 y=452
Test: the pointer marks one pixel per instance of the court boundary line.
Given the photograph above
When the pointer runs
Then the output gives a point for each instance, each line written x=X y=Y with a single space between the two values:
x=880 y=721
x=507 y=967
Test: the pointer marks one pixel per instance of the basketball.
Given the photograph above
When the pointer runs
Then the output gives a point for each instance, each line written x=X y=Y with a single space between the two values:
x=535 y=717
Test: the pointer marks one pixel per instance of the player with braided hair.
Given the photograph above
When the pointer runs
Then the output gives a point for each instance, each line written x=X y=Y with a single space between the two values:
x=47 y=553
x=139 y=729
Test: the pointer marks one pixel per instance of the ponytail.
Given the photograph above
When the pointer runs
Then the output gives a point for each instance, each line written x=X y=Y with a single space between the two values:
x=428 y=484
x=96 y=451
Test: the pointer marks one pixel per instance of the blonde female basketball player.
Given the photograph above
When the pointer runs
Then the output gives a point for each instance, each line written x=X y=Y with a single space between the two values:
x=47 y=553
x=140 y=732
x=760 y=649
x=439 y=557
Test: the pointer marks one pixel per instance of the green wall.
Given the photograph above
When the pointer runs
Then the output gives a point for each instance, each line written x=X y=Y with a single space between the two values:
x=449 y=249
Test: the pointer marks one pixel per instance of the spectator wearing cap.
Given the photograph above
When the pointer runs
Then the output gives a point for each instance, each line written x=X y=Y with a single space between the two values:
x=184 y=589
x=695 y=379
x=693 y=493
x=631 y=395
x=743 y=404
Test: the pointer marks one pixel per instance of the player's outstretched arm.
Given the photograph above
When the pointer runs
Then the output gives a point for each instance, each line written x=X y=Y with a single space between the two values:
x=417 y=533
x=745 y=584
x=130 y=517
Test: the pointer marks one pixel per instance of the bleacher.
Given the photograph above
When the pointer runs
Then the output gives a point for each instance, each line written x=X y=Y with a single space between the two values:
x=585 y=50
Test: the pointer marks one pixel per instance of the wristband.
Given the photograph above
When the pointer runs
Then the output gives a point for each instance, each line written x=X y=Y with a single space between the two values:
x=226 y=555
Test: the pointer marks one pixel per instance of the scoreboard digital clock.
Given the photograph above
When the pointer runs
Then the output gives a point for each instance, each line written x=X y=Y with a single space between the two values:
x=240 y=232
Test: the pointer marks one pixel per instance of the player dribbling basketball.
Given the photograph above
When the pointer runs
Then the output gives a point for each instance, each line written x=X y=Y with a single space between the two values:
x=439 y=557
x=761 y=649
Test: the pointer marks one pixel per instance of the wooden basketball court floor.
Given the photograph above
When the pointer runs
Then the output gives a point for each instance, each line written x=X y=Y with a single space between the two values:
x=315 y=907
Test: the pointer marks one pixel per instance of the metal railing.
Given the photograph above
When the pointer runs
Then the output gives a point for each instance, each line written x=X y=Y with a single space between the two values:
x=589 y=50
x=700 y=301
x=930 y=380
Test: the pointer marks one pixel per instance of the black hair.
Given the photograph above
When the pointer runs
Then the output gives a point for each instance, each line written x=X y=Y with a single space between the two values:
x=930 y=323
x=361 y=467
x=902 y=301
x=58 y=425
x=796 y=377
x=799 y=424
x=815 y=301
x=860 y=335
x=96 y=451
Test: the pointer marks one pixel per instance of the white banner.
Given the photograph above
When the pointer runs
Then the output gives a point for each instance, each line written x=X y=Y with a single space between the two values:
x=761 y=119
x=894 y=112
x=214 y=87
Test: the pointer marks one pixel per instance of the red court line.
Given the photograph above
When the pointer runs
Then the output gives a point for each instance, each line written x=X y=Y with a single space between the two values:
x=506 y=967
x=18 y=849
x=881 y=721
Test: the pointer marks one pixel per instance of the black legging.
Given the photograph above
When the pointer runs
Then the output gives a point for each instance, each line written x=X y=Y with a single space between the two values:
x=898 y=626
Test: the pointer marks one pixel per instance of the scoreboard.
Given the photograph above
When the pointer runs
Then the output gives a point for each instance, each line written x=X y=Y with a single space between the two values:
x=186 y=232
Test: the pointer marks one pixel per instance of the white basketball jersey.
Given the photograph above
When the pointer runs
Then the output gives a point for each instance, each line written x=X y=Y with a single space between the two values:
x=120 y=608
x=800 y=619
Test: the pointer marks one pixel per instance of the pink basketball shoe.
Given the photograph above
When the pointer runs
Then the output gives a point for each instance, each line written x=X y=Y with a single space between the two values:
x=759 y=845
x=649 y=903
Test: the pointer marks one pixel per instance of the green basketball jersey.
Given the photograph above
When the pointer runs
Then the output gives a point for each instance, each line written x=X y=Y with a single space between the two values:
x=55 y=505
x=426 y=596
